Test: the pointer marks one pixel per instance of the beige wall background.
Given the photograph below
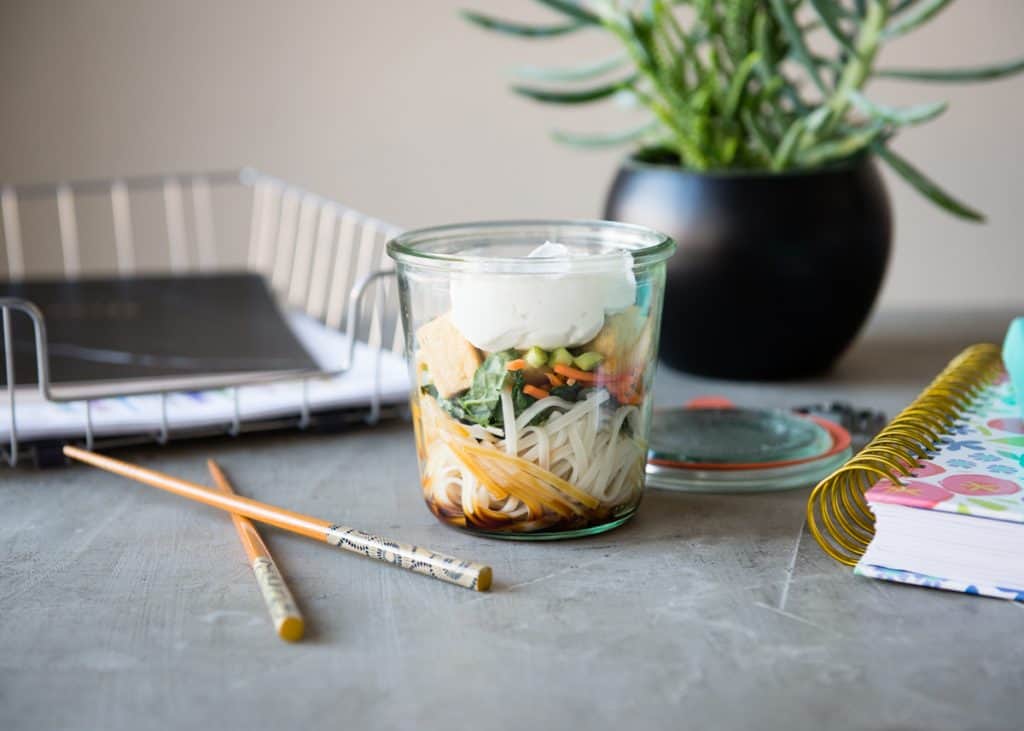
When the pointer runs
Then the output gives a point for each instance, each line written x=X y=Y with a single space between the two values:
x=399 y=109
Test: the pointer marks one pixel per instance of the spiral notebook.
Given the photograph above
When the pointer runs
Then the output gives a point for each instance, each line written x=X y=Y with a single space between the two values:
x=937 y=498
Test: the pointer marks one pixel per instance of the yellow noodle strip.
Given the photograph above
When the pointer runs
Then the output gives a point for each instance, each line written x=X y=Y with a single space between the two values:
x=534 y=503
x=550 y=497
x=496 y=490
x=524 y=485
x=538 y=472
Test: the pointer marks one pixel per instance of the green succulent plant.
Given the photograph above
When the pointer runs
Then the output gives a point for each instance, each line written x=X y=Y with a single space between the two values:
x=743 y=84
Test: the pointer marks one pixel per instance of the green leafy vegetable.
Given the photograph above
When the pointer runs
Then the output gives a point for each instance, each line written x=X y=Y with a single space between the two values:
x=520 y=400
x=482 y=402
x=568 y=393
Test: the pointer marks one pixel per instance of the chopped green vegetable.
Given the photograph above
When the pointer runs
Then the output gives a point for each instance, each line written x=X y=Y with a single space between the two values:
x=536 y=357
x=561 y=356
x=588 y=361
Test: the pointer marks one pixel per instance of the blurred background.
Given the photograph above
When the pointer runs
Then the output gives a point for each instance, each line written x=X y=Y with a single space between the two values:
x=400 y=109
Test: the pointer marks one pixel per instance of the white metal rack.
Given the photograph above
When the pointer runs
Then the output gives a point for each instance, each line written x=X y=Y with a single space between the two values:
x=318 y=255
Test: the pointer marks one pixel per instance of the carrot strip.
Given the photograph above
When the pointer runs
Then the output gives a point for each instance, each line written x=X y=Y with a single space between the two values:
x=627 y=396
x=553 y=379
x=627 y=388
x=517 y=365
x=537 y=393
x=576 y=373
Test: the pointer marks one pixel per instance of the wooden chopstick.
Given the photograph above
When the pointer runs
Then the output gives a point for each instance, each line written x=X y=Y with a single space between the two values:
x=467 y=574
x=284 y=613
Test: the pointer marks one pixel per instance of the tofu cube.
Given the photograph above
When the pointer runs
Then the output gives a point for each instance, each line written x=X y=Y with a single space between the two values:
x=451 y=359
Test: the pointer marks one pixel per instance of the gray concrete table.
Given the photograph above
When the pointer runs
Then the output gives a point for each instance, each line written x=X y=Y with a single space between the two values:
x=125 y=608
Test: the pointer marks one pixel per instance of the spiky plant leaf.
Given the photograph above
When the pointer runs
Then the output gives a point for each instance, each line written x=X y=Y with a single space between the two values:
x=786 y=18
x=738 y=85
x=977 y=73
x=586 y=72
x=915 y=16
x=725 y=83
x=829 y=12
x=761 y=137
x=786 y=148
x=573 y=10
x=898 y=116
x=604 y=139
x=924 y=185
x=902 y=5
x=522 y=30
x=842 y=148
x=576 y=96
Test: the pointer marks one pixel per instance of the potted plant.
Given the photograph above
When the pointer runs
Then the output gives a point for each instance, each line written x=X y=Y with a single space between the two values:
x=759 y=157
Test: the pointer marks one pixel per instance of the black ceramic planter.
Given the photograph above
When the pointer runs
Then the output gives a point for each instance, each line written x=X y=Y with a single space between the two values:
x=775 y=273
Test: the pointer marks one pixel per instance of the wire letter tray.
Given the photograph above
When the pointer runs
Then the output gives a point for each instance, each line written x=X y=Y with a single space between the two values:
x=319 y=257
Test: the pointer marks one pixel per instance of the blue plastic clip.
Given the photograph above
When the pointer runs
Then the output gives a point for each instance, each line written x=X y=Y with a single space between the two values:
x=1013 y=359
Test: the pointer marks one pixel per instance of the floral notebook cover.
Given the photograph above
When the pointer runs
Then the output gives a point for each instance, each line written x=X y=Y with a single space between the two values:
x=978 y=471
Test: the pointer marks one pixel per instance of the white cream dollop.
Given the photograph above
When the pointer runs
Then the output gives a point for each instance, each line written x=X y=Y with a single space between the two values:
x=565 y=307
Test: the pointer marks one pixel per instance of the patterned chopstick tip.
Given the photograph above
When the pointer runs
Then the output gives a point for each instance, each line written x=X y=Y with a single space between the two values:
x=467 y=574
x=283 y=612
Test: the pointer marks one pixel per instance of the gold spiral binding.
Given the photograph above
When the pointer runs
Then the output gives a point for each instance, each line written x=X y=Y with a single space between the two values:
x=837 y=513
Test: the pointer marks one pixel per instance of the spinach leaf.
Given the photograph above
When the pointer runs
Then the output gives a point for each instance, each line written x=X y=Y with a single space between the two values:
x=520 y=400
x=482 y=402
x=569 y=393
x=450 y=407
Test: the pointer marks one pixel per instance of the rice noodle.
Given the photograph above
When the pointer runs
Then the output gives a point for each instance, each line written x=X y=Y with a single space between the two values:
x=508 y=415
x=538 y=407
x=578 y=468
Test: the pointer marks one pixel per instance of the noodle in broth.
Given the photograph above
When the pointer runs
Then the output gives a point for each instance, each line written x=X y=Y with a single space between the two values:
x=577 y=468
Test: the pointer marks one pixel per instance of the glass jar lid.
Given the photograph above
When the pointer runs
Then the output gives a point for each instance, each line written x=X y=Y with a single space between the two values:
x=734 y=436
x=742 y=450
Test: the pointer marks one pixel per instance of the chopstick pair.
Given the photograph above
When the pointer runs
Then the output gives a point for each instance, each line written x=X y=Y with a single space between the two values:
x=467 y=574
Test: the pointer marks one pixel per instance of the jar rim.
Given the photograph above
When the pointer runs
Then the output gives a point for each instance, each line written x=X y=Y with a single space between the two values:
x=645 y=245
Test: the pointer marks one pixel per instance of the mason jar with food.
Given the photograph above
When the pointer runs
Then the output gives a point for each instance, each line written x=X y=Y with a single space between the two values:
x=532 y=348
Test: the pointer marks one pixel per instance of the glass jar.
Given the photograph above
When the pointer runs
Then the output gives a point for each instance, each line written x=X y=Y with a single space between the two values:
x=531 y=348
